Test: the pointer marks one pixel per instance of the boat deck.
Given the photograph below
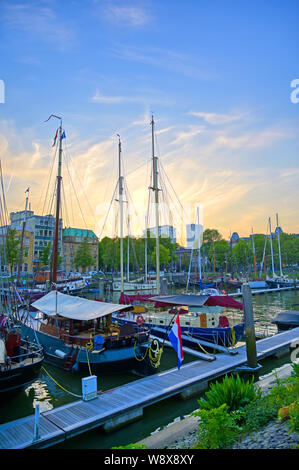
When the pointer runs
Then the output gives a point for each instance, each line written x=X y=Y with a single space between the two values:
x=125 y=403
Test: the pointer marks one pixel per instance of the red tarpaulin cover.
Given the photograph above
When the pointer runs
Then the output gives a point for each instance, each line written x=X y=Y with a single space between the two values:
x=223 y=301
x=213 y=300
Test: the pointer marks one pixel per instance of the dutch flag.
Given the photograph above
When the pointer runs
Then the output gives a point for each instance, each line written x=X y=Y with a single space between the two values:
x=175 y=338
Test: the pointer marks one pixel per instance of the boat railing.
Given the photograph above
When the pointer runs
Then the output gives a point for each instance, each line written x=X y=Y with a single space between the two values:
x=83 y=341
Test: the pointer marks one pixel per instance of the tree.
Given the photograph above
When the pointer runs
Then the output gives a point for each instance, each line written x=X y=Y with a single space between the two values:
x=45 y=255
x=83 y=257
x=164 y=256
x=12 y=249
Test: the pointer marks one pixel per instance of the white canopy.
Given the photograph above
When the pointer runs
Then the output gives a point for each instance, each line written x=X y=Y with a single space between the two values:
x=76 y=308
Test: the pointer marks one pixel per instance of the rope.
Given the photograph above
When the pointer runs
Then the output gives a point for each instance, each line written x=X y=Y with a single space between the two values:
x=136 y=357
x=60 y=386
x=155 y=359
x=89 y=346
x=200 y=345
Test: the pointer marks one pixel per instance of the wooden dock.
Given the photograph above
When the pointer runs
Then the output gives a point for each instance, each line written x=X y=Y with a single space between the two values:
x=124 y=404
x=264 y=291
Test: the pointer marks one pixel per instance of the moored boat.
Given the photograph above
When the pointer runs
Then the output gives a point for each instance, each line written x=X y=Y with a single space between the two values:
x=77 y=334
x=201 y=317
x=20 y=360
x=286 y=320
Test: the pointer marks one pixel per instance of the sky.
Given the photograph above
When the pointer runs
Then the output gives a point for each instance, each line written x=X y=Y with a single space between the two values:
x=217 y=77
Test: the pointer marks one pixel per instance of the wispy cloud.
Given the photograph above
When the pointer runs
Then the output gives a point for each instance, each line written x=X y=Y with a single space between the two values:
x=37 y=20
x=216 y=118
x=127 y=15
x=177 y=62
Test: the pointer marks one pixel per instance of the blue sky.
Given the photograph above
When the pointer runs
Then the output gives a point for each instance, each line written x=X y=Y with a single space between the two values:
x=216 y=75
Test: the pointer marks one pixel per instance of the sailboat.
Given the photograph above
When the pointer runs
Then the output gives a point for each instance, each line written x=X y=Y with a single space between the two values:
x=257 y=283
x=78 y=334
x=20 y=359
x=122 y=285
x=281 y=280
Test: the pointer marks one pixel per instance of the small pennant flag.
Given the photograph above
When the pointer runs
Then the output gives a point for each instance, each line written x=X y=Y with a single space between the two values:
x=27 y=190
x=62 y=136
x=54 y=142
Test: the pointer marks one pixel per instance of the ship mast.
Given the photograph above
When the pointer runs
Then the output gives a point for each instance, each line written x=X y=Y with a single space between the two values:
x=22 y=239
x=58 y=193
x=121 y=214
x=273 y=271
x=254 y=258
x=156 y=191
x=280 y=266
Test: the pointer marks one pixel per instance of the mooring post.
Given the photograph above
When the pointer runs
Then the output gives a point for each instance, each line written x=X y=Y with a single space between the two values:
x=36 y=435
x=164 y=287
x=101 y=289
x=249 y=327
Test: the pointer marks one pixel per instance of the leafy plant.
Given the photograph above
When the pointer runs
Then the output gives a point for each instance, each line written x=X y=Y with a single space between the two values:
x=217 y=429
x=233 y=391
x=295 y=371
x=293 y=422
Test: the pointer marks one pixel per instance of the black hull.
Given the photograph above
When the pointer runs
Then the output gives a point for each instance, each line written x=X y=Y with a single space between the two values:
x=287 y=320
x=20 y=377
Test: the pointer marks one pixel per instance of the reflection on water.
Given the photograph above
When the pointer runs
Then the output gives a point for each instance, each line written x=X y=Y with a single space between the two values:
x=49 y=395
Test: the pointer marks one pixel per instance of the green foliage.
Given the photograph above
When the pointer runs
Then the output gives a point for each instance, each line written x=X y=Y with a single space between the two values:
x=109 y=253
x=12 y=249
x=217 y=429
x=163 y=254
x=234 y=408
x=45 y=255
x=295 y=371
x=259 y=413
x=293 y=422
x=233 y=391
x=131 y=446
x=83 y=255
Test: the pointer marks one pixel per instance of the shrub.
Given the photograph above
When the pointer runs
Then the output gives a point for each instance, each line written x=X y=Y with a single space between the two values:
x=295 y=371
x=259 y=413
x=293 y=422
x=233 y=391
x=217 y=429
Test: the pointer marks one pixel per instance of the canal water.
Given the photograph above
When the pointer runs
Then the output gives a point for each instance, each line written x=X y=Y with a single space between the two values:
x=45 y=392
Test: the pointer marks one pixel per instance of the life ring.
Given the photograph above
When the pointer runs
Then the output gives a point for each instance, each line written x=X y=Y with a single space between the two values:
x=140 y=320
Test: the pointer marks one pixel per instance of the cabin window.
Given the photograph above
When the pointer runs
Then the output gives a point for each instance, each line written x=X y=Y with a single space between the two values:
x=187 y=323
x=162 y=321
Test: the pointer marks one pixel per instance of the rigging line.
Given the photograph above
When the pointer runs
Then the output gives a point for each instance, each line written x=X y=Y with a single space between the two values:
x=111 y=202
x=65 y=206
x=75 y=192
x=80 y=180
x=49 y=180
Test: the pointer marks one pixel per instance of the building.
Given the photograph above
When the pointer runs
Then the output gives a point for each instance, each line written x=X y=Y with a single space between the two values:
x=71 y=240
x=194 y=234
x=43 y=228
x=167 y=231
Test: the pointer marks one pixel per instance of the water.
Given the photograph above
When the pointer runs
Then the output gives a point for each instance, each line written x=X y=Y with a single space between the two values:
x=49 y=395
